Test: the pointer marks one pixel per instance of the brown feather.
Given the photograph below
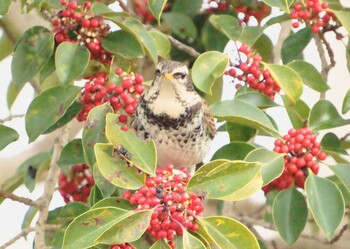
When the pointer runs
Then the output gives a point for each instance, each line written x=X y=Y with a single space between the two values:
x=208 y=120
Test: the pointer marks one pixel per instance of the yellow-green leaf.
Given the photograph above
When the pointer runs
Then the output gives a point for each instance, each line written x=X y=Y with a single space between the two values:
x=156 y=7
x=227 y=24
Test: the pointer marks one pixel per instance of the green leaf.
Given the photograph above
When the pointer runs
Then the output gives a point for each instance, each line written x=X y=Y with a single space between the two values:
x=8 y=135
x=212 y=38
x=4 y=6
x=188 y=241
x=123 y=43
x=346 y=103
x=184 y=7
x=298 y=113
x=226 y=24
x=345 y=192
x=162 y=43
x=238 y=132
x=289 y=213
x=71 y=59
x=243 y=113
x=12 y=93
x=116 y=170
x=94 y=131
x=160 y=244
x=47 y=108
x=67 y=212
x=221 y=179
x=143 y=154
x=264 y=47
x=29 y=216
x=106 y=188
x=281 y=4
x=181 y=25
x=115 y=202
x=71 y=154
x=128 y=229
x=273 y=163
x=309 y=75
x=288 y=80
x=326 y=203
x=250 y=35
x=26 y=63
x=342 y=171
x=332 y=144
x=156 y=7
x=207 y=68
x=347 y=55
x=344 y=18
x=229 y=233
x=233 y=151
x=6 y=45
x=256 y=98
x=294 y=45
x=324 y=115
x=87 y=227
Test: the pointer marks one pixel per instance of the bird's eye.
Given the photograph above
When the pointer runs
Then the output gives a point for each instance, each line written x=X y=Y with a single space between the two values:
x=157 y=72
x=179 y=75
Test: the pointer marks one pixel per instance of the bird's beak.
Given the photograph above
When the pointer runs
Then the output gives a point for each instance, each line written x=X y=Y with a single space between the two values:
x=168 y=76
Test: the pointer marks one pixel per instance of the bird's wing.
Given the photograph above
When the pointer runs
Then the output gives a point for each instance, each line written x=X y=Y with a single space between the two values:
x=208 y=120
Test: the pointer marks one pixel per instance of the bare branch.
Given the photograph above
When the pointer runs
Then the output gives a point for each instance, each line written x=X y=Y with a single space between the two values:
x=181 y=46
x=17 y=198
x=10 y=117
x=23 y=233
x=285 y=32
x=341 y=232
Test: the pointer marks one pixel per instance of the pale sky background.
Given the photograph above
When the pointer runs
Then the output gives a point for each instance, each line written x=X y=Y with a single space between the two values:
x=11 y=213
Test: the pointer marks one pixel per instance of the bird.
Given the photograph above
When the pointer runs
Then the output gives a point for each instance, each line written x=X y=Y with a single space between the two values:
x=175 y=117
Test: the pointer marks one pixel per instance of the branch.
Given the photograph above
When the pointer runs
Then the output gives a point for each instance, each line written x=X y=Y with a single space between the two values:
x=7 y=30
x=49 y=188
x=340 y=233
x=23 y=233
x=285 y=32
x=181 y=46
x=26 y=201
x=10 y=117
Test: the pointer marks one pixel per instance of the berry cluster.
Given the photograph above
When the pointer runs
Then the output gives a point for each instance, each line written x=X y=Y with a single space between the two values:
x=247 y=70
x=77 y=24
x=77 y=185
x=122 y=246
x=302 y=153
x=122 y=97
x=315 y=14
x=175 y=209
x=218 y=6
x=258 y=10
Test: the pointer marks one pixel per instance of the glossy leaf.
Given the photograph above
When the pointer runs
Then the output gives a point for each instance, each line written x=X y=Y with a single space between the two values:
x=229 y=233
x=128 y=229
x=342 y=171
x=116 y=170
x=29 y=216
x=273 y=163
x=6 y=46
x=298 y=113
x=123 y=43
x=188 y=241
x=220 y=179
x=71 y=60
x=309 y=75
x=226 y=24
x=290 y=213
x=324 y=115
x=233 y=151
x=162 y=43
x=326 y=203
x=330 y=144
x=4 y=6
x=12 y=93
x=160 y=244
x=346 y=103
x=115 y=202
x=188 y=9
x=251 y=34
x=264 y=47
x=156 y=7
x=294 y=45
x=181 y=25
x=240 y=112
x=238 y=132
x=344 y=190
x=106 y=188
x=83 y=231
x=281 y=4
x=26 y=63
x=71 y=154
x=207 y=68
x=343 y=17
x=212 y=38
x=256 y=98
x=8 y=135
x=143 y=154
x=47 y=108
x=94 y=131
x=67 y=212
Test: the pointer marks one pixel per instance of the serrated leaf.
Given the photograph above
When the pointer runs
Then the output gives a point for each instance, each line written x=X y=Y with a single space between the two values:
x=324 y=115
x=8 y=135
x=94 y=131
x=344 y=18
x=220 y=179
x=346 y=103
x=116 y=170
x=4 y=6
x=128 y=229
x=156 y=7
x=123 y=43
x=226 y=24
x=309 y=75
x=188 y=241
x=288 y=80
x=71 y=154
x=207 y=68
x=233 y=151
x=162 y=43
x=71 y=60
x=273 y=163
x=143 y=154
x=281 y=4
x=243 y=113
x=181 y=25
x=342 y=171
x=326 y=203
x=26 y=63
x=290 y=213
x=47 y=108
x=229 y=233
x=297 y=113
x=83 y=231
x=294 y=44
x=67 y=212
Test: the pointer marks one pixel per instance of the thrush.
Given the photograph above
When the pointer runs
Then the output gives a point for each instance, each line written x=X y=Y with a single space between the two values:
x=175 y=116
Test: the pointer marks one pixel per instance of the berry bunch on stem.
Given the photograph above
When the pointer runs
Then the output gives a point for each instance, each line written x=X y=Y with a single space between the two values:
x=77 y=24
x=174 y=208
x=123 y=97
x=315 y=14
x=302 y=154
x=247 y=70
x=122 y=246
x=77 y=185
x=257 y=10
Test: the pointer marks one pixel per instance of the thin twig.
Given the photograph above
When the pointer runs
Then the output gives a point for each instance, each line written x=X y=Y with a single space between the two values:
x=285 y=32
x=340 y=233
x=11 y=196
x=181 y=46
x=7 y=31
x=23 y=233
x=10 y=117
x=49 y=188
